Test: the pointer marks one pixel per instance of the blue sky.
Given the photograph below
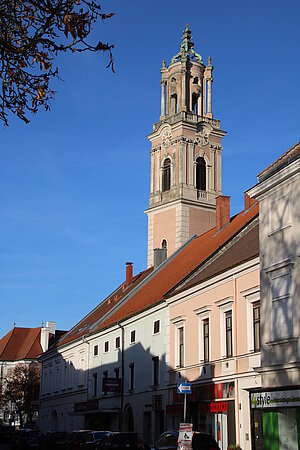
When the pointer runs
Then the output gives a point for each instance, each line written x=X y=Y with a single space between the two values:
x=74 y=182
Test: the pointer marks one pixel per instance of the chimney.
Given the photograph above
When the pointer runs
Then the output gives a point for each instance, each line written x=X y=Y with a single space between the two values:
x=129 y=271
x=160 y=255
x=51 y=327
x=44 y=338
x=222 y=211
x=248 y=201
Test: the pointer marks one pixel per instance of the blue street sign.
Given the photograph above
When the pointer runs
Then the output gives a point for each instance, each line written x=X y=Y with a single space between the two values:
x=184 y=388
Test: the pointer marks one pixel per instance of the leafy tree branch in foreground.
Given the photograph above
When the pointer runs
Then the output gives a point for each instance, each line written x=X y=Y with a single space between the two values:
x=32 y=34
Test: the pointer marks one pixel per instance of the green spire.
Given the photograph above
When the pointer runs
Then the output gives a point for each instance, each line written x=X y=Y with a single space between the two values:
x=186 y=47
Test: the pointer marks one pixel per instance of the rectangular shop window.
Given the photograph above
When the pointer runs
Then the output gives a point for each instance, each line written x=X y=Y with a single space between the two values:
x=117 y=372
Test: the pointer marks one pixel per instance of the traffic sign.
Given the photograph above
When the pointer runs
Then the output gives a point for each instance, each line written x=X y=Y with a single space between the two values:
x=184 y=388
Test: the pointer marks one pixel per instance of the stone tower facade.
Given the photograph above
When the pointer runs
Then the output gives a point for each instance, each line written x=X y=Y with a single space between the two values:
x=185 y=153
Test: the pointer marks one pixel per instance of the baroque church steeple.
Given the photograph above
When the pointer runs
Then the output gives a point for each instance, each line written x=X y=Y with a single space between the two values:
x=185 y=153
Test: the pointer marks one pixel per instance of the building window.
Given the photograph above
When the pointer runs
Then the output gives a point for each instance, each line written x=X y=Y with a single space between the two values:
x=164 y=244
x=205 y=340
x=228 y=330
x=195 y=103
x=131 y=376
x=132 y=336
x=156 y=327
x=118 y=342
x=95 y=384
x=180 y=346
x=256 y=326
x=96 y=350
x=117 y=372
x=166 y=175
x=155 y=361
x=200 y=174
x=282 y=314
x=106 y=346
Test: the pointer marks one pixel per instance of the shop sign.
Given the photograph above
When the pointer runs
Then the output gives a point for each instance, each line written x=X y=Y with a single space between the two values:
x=275 y=399
x=112 y=385
x=214 y=407
x=90 y=405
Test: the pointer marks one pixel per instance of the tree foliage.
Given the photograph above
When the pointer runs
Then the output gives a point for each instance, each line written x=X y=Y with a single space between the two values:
x=32 y=34
x=21 y=388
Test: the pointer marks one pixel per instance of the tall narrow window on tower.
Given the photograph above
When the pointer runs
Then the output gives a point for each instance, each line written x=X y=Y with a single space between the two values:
x=195 y=103
x=200 y=174
x=166 y=175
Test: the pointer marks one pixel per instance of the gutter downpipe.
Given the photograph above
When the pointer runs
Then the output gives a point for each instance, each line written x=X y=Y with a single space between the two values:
x=122 y=379
x=237 y=405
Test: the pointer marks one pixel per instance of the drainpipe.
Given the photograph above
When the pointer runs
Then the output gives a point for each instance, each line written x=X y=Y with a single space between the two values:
x=122 y=379
x=237 y=405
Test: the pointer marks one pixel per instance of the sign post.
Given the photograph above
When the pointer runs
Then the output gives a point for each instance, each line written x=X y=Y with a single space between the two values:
x=184 y=388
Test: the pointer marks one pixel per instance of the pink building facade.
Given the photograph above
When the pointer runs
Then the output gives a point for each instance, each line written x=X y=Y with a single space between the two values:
x=215 y=341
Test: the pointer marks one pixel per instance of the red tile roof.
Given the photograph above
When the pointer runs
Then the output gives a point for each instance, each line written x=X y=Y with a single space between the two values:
x=197 y=251
x=287 y=157
x=84 y=326
x=21 y=343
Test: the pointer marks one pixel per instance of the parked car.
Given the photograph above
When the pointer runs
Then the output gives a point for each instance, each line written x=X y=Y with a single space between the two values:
x=77 y=439
x=200 y=441
x=26 y=439
x=121 y=441
x=95 y=438
x=55 y=440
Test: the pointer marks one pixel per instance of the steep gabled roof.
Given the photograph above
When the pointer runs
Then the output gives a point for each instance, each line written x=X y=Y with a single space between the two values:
x=179 y=266
x=84 y=326
x=21 y=343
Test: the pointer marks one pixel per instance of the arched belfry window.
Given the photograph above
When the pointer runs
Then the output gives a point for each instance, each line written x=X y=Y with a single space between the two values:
x=164 y=244
x=195 y=103
x=200 y=174
x=166 y=175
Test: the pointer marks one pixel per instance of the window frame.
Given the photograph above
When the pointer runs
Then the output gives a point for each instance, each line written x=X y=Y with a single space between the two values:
x=95 y=350
x=117 y=338
x=156 y=332
x=203 y=313
x=166 y=171
x=106 y=344
x=130 y=336
x=225 y=306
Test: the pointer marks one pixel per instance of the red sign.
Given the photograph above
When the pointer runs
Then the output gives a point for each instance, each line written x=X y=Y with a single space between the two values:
x=112 y=385
x=214 y=407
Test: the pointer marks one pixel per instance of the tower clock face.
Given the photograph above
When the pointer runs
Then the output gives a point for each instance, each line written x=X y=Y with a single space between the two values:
x=166 y=138
x=202 y=136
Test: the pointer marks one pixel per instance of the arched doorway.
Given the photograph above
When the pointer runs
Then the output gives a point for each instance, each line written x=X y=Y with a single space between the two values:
x=128 y=419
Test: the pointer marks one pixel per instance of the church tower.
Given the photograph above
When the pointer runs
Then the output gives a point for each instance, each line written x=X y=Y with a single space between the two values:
x=185 y=153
